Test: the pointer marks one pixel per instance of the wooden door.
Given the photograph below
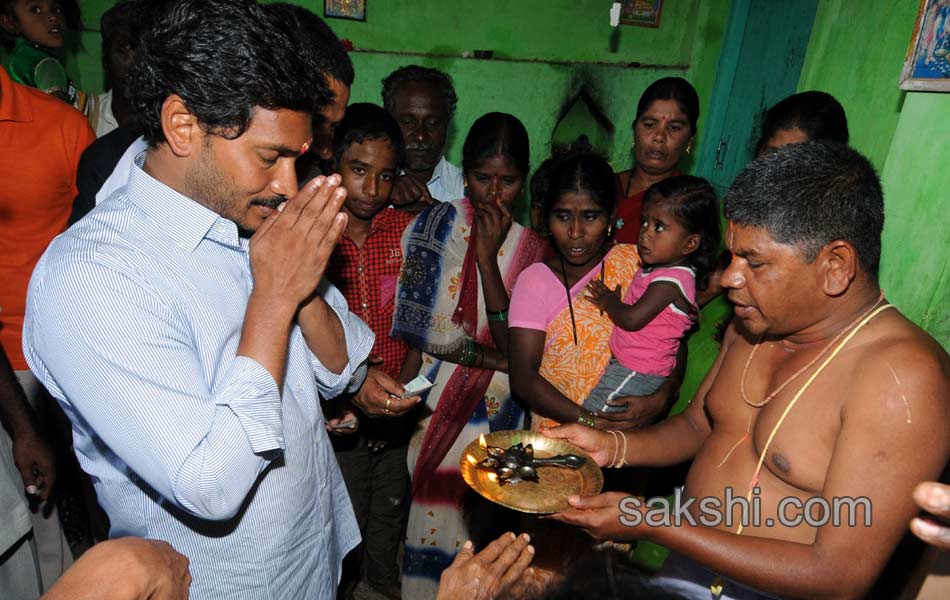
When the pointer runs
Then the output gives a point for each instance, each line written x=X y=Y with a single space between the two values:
x=761 y=60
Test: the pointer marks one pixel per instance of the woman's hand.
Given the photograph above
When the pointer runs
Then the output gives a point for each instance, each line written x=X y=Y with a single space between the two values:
x=599 y=516
x=638 y=411
x=601 y=446
x=495 y=572
x=602 y=296
x=494 y=222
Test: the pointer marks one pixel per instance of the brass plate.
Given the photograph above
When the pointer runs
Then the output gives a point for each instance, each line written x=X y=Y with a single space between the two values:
x=554 y=486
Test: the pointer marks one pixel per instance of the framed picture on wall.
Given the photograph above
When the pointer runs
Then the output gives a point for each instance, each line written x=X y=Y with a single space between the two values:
x=345 y=9
x=927 y=64
x=644 y=13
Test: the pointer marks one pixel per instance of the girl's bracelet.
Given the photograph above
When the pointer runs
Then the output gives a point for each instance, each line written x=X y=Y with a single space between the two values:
x=497 y=316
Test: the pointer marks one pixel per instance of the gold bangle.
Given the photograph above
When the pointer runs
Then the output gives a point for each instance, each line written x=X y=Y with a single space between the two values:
x=623 y=457
x=613 y=434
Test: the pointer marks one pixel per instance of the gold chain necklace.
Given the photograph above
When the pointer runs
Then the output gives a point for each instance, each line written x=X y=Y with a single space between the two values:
x=797 y=373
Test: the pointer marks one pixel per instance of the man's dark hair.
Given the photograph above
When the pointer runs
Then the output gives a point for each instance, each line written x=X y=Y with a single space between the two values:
x=366 y=121
x=315 y=36
x=818 y=114
x=494 y=134
x=224 y=58
x=808 y=195
x=420 y=74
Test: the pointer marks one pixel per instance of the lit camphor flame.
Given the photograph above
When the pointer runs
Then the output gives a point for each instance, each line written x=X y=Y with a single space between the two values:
x=492 y=477
x=481 y=441
x=471 y=459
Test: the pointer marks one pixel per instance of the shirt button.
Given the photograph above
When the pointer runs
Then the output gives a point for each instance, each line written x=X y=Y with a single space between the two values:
x=299 y=389
x=365 y=305
x=361 y=268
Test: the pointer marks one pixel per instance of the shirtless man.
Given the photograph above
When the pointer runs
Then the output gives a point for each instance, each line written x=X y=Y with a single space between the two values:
x=804 y=231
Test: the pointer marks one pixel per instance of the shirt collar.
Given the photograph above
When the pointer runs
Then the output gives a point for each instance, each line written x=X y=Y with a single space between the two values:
x=385 y=220
x=184 y=220
x=10 y=109
x=439 y=171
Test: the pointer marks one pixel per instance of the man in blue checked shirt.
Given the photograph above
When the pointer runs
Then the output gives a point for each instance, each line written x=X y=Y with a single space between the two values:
x=185 y=327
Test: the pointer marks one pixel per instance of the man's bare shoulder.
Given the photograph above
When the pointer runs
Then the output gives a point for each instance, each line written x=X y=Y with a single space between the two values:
x=898 y=341
x=899 y=359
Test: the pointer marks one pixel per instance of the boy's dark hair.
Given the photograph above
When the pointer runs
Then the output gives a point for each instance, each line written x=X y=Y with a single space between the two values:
x=423 y=75
x=124 y=25
x=808 y=195
x=585 y=172
x=494 y=134
x=672 y=88
x=70 y=13
x=122 y=20
x=224 y=58
x=7 y=39
x=604 y=576
x=314 y=35
x=818 y=114
x=366 y=121
x=693 y=202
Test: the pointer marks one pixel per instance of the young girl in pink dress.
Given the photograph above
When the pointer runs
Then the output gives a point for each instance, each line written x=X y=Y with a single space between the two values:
x=678 y=245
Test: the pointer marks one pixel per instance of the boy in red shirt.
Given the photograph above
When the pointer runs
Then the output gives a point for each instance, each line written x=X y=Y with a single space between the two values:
x=41 y=140
x=367 y=149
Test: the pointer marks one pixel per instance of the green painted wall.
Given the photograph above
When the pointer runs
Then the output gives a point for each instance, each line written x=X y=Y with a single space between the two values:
x=907 y=137
x=545 y=50
x=915 y=265
x=861 y=74
x=527 y=29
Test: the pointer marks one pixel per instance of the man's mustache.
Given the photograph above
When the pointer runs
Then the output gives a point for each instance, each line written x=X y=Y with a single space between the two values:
x=422 y=147
x=273 y=202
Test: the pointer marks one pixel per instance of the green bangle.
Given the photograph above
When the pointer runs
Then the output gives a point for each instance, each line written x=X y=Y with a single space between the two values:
x=499 y=316
x=468 y=354
x=585 y=417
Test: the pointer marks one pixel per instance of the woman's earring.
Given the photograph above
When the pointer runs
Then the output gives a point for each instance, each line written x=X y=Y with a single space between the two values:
x=619 y=223
x=689 y=147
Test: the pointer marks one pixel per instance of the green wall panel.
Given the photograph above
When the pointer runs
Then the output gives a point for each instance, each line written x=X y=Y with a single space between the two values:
x=907 y=137
x=855 y=54
x=527 y=37
x=915 y=264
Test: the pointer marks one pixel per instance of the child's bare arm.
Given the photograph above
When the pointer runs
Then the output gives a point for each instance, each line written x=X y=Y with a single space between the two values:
x=633 y=317
x=411 y=366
